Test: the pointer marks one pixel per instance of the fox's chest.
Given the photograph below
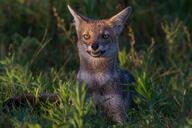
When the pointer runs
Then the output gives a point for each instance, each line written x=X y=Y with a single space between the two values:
x=96 y=79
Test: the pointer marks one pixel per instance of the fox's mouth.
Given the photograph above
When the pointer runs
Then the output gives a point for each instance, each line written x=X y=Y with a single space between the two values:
x=96 y=54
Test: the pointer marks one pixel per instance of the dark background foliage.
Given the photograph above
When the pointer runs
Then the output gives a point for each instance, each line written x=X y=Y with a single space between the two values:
x=38 y=50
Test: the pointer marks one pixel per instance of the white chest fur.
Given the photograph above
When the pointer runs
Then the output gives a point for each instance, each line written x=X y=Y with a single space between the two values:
x=96 y=78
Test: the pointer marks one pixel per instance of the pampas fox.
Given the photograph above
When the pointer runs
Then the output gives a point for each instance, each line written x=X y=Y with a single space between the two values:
x=98 y=51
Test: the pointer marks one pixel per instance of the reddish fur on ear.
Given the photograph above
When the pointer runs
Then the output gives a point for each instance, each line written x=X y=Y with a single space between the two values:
x=118 y=20
x=78 y=18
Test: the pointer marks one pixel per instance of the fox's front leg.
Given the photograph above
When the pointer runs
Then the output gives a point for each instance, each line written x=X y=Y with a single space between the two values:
x=114 y=104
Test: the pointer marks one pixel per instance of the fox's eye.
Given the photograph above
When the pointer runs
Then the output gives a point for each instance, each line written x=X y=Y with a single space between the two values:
x=86 y=36
x=105 y=36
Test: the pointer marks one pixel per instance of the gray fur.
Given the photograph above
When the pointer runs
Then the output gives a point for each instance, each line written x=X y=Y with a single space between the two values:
x=104 y=79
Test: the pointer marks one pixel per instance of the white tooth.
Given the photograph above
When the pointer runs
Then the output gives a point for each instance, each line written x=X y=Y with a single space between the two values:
x=89 y=48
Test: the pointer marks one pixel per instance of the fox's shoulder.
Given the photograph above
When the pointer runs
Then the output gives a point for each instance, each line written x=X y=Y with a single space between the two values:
x=127 y=77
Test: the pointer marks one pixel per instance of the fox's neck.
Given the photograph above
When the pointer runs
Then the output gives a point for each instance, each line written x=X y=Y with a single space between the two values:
x=96 y=65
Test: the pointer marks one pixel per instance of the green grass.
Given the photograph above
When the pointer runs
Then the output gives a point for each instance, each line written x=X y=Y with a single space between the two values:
x=38 y=54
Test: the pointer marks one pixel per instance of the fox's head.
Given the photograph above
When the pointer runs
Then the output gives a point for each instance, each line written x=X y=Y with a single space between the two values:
x=99 y=38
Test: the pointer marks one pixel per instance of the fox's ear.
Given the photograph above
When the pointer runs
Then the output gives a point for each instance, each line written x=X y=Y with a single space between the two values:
x=119 y=19
x=78 y=18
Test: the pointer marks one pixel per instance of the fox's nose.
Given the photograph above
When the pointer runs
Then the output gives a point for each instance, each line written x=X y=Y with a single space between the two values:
x=95 y=46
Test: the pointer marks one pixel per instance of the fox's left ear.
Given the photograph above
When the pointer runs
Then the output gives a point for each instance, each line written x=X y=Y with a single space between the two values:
x=119 y=19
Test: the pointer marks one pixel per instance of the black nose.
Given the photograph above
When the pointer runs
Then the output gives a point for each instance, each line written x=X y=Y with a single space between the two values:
x=95 y=46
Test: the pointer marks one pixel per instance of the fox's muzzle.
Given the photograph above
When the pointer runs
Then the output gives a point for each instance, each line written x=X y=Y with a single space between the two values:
x=95 y=46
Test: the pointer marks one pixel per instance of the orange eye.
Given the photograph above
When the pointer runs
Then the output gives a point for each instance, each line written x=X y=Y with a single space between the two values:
x=86 y=36
x=105 y=36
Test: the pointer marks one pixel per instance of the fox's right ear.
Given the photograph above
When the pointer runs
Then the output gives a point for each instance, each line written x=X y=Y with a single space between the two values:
x=78 y=18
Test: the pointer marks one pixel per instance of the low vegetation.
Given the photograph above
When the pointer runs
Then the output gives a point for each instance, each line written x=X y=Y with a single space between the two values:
x=38 y=55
